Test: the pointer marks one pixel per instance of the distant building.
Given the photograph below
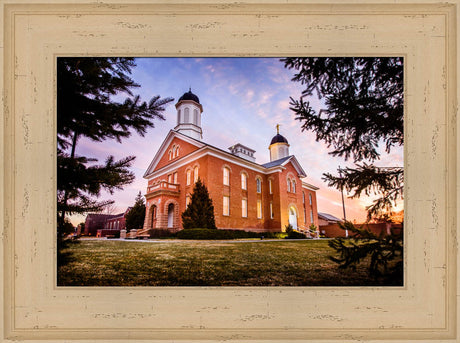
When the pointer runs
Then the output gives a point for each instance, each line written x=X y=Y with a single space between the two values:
x=94 y=222
x=327 y=219
x=246 y=195
x=101 y=225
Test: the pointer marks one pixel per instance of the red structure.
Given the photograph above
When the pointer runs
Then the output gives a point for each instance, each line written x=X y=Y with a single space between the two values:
x=246 y=195
x=101 y=225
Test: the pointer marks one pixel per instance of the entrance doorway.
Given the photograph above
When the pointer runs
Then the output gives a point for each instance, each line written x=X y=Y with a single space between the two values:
x=170 y=215
x=293 y=217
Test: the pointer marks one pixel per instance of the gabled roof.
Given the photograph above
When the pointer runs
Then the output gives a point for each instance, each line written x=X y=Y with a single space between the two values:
x=276 y=162
x=285 y=160
x=264 y=168
x=329 y=217
x=167 y=141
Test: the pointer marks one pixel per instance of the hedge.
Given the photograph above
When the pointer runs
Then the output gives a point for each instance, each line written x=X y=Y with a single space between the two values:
x=210 y=234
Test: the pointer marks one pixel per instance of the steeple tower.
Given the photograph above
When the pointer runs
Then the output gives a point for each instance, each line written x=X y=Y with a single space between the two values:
x=279 y=146
x=189 y=112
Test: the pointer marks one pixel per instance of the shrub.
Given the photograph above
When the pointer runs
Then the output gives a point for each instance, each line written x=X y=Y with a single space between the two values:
x=295 y=235
x=212 y=234
x=385 y=252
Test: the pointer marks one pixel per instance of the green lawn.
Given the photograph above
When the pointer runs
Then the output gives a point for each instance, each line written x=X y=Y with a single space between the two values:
x=205 y=263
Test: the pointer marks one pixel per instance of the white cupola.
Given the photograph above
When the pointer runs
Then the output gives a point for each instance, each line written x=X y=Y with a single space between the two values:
x=189 y=112
x=279 y=146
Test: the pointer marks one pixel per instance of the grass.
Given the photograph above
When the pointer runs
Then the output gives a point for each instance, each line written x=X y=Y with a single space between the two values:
x=206 y=263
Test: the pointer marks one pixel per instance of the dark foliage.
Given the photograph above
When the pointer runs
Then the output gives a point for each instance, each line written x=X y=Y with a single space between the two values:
x=363 y=98
x=292 y=234
x=135 y=217
x=385 y=253
x=86 y=88
x=211 y=234
x=200 y=211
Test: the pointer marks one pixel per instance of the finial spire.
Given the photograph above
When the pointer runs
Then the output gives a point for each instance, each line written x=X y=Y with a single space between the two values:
x=278 y=129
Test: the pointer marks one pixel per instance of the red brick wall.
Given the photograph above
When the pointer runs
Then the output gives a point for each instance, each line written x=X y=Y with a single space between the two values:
x=211 y=173
x=333 y=230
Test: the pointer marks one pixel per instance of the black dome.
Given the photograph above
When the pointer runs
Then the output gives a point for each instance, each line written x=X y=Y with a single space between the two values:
x=278 y=139
x=189 y=96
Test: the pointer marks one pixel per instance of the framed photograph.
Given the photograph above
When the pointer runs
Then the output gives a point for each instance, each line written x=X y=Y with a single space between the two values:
x=35 y=35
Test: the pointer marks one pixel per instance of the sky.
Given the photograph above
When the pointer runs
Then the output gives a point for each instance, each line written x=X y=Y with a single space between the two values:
x=243 y=100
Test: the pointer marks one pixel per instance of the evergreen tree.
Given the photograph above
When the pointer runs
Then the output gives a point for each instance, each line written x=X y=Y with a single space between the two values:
x=135 y=217
x=200 y=211
x=363 y=100
x=86 y=107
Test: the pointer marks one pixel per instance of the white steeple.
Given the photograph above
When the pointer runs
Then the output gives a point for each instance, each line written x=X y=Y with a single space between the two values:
x=279 y=146
x=189 y=112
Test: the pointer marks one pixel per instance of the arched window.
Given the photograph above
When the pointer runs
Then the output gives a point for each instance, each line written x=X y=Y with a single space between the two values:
x=177 y=151
x=288 y=185
x=195 y=117
x=169 y=155
x=178 y=117
x=244 y=181
x=303 y=197
x=293 y=186
x=259 y=185
x=270 y=190
x=173 y=151
x=309 y=198
x=186 y=115
x=195 y=174
x=189 y=176
x=226 y=176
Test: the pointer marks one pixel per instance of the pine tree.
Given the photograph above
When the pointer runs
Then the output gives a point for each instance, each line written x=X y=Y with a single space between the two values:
x=86 y=108
x=363 y=98
x=135 y=217
x=200 y=211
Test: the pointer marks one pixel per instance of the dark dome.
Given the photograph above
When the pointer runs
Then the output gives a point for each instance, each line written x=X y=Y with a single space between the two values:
x=278 y=139
x=189 y=96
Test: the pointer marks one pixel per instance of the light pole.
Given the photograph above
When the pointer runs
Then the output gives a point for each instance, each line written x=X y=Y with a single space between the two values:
x=343 y=203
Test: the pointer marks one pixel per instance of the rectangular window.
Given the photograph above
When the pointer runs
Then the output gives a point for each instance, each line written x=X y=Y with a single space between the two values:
x=309 y=197
x=187 y=201
x=244 y=183
x=311 y=216
x=226 y=210
x=259 y=209
x=175 y=178
x=259 y=186
x=244 y=208
x=271 y=211
x=270 y=186
x=170 y=178
x=226 y=176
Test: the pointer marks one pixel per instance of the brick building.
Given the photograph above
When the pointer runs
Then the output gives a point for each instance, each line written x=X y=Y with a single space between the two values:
x=246 y=195
x=100 y=225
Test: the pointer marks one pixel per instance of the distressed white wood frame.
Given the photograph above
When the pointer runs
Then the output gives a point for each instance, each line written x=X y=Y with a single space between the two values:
x=34 y=309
